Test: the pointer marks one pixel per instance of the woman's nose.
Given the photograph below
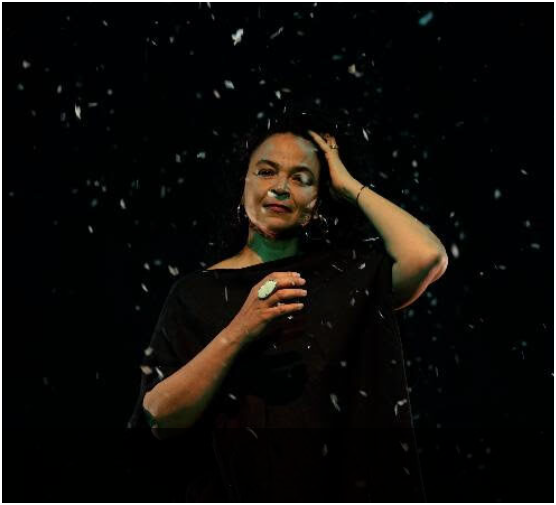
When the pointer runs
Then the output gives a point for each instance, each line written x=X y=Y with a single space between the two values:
x=279 y=192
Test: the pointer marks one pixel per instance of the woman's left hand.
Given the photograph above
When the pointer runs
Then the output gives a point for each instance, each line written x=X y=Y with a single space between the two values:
x=340 y=178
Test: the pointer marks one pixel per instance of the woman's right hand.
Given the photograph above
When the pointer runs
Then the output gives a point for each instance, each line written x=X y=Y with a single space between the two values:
x=256 y=314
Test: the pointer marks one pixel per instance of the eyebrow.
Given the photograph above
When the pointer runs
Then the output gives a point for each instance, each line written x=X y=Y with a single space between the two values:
x=277 y=166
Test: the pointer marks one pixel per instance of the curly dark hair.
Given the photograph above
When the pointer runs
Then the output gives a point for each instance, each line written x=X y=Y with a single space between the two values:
x=338 y=223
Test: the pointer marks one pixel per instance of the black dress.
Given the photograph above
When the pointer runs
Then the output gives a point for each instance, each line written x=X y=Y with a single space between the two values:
x=316 y=409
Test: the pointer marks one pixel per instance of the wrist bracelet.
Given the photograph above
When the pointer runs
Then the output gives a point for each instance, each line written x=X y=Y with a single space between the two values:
x=357 y=198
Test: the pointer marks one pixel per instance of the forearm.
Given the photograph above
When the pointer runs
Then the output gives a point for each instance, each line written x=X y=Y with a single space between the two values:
x=405 y=237
x=179 y=400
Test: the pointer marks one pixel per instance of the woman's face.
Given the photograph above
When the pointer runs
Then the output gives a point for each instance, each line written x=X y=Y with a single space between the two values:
x=284 y=169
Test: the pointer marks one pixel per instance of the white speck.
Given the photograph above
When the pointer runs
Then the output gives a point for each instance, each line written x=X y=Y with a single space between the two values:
x=226 y=293
x=148 y=351
x=59 y=89
x=336 y=267
x=343 y=363
x=405 y=446
x=146 y=266
x=523 y=172
x=352 y=301
x=534 y=245
x=122 y=203
x=454 y=250
x=277 y=32
x=278 y=94
x=527 y=223
x=216 y=94
x=334 y=399
x=237 y=36
x=329 y=324
x=78 y=111
x=252 y=431
x=173 y=270
x=20 y=87
x=90 y=228
x=352 y=70
x=229 y=85
x=232 y=396
x=425 y=20
x=201 y=155
x=395 y=153
x=109 y=92
x=365 y=135
x=406 y=470
x=497 y=194
x=147 y=370
x=414 y=163
x=399 y=404
x=25 y=64
x=92 y=104
x=45 y=381
x=380 y=314
x=363 y=393
x=144 y=288
x=367 y=292
x=324 y=450
x=362 y=266
x=159 y=372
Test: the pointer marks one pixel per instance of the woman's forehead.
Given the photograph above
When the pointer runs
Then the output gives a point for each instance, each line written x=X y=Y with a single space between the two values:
x=288 y=148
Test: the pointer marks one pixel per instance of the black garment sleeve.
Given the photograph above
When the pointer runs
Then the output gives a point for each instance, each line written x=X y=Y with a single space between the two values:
x=174 y=343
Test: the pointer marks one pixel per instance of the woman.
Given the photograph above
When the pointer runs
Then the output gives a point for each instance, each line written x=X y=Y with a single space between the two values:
x=280 y=369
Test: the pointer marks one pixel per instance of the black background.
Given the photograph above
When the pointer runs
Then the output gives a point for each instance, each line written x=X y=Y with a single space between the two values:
x=459 y=116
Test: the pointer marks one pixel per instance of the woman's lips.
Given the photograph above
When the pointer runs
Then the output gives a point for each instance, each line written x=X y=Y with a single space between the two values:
x=278 y=209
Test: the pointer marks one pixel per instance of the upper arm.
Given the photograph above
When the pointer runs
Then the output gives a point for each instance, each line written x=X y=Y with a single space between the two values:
x=410 y=279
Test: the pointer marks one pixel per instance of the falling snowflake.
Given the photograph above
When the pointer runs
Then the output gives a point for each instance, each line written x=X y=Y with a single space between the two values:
x=399 y=403
x=78 y=111
x=226 y=293
x=159 y=372
x=232 y=396
x=148 y=351
x=324 y=450
x=237 y=36
x=353 y=71
x=405 y=446
x=147 y=370
x=363 y=393
x=334 y=399
x=365 y=134
x=252 y=431
x=144 y=288
x=201 y=155
x=362 y=266
x=122 y=203
x=173 y=270
x=426 y=19
x=229 y=85
x=25 y=64
x=277 y=32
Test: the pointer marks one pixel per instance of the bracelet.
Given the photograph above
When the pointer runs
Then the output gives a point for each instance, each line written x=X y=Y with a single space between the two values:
x=357 y=198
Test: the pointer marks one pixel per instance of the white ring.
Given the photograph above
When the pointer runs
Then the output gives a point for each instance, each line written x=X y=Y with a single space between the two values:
x=267 y=289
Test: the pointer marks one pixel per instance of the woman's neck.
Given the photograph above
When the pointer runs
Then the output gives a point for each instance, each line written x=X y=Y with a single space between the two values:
x=263 y=246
